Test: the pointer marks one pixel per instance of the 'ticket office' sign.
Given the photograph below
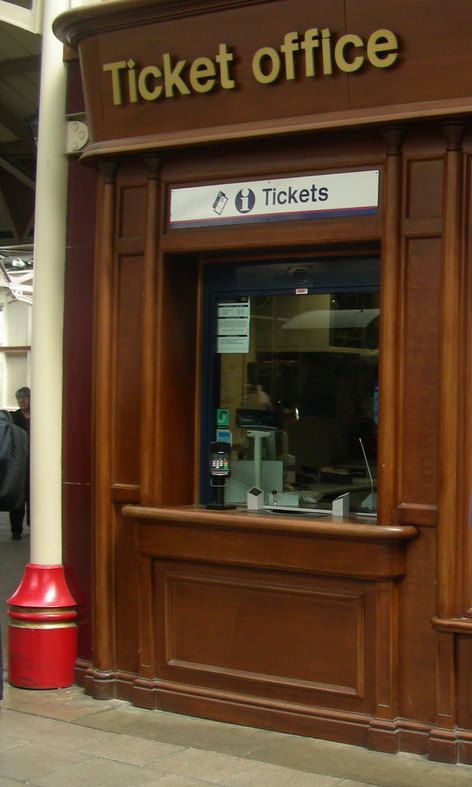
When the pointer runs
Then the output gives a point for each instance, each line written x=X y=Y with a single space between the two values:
x=282 y=199
x=317 y=52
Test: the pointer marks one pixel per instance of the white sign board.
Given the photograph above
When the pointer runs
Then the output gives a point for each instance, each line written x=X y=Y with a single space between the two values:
x=284 y=199
x=233 y=327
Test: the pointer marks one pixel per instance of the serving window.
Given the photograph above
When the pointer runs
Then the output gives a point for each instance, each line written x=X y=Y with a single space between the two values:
x=291 y=380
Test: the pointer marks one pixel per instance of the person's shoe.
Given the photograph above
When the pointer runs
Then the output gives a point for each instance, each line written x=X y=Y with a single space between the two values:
x=16 y=537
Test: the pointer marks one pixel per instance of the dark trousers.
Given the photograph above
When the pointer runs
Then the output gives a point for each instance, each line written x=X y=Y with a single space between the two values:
x=18 y=514
x=16 y=520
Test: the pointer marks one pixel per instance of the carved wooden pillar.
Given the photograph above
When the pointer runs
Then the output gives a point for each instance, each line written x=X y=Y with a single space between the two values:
x=382 y=731
x=449 y=379
x=389 y=309
x=149 y=319
x=443 y=741
x=103 y=568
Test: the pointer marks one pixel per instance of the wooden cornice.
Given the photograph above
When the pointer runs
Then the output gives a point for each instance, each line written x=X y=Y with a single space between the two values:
x=72 y=26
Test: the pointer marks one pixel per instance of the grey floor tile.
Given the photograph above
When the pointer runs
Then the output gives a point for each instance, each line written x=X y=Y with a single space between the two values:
x=361 y=765
x=9 y=782
x=31 y=761
x=25 y=727
x=223 y=769
x=266 y=775
x=126 y=749
x=350 y=783
x=181 y=781
x=62 y=704
x=102 y=773
x=307 y=754
x=182 y=730
x=8 y=741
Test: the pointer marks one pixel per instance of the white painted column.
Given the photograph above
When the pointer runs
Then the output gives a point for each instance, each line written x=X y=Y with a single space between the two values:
x=48 y=306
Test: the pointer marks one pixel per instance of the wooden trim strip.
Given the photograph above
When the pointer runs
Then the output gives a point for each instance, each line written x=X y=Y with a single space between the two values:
x=148 y=342
x=449 y=373
x=243 y=520
x=389 y=300
x=456 y=625
x=103 y=564
x=278 y=127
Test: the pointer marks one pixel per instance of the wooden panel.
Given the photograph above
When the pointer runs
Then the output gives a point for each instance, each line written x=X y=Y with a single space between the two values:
x=420 y=360
x=78 y=323
x=175 y=429
x=417 y=639
x=268 y=634
x=132 y=210
x=424 y=192
x=466 y=501
x=126 y=586
x=128 y=370
x=451 y=414
x=464 y=682
x=386 y=651
x=103 y=562
x=446 y=681
x=76 y=557
x=263 y=548
x=146 y=619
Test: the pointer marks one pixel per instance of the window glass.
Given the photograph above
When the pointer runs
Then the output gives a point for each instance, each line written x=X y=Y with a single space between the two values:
x=298 y=375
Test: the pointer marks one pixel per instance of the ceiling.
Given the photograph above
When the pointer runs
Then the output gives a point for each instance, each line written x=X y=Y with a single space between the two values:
x=19 y=102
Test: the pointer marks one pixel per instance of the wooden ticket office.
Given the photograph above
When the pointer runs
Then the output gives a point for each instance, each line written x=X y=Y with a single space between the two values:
x=356 y=629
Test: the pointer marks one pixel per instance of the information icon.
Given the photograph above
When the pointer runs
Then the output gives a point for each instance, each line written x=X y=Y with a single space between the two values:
x=245 y=200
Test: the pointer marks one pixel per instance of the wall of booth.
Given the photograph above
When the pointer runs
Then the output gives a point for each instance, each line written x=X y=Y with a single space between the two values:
x=357 y=629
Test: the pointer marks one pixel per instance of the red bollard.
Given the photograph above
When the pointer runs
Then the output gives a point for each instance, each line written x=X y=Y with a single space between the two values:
x=42 y=634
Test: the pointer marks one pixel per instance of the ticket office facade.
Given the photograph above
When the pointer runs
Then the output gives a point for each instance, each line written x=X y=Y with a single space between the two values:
x=357 y=630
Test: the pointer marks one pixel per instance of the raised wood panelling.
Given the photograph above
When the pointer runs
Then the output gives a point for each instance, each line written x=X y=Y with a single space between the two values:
x=389 y=334
x=423 y=199
x=147 y=634
x=450 y=398
x=463 y=660
x=419 y=378
x=319 y=232
x=103 y=563
x=126 y=596
x=443 y=740
x=267 y=634
x=418 y=328
x=387 y=651
x=176 y=381
x=148 y=343
x=127 y=358
x=383 y=730
x=254 y=541
x=465 y=502
x=416 y=636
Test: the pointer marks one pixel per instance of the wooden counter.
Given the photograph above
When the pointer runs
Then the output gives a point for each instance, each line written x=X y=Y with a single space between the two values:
x=277 y=621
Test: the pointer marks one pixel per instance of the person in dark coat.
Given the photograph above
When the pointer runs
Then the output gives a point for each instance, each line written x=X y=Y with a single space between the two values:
x=21 y=418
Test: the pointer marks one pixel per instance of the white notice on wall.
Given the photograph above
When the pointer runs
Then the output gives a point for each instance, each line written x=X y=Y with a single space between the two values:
x=233 y=327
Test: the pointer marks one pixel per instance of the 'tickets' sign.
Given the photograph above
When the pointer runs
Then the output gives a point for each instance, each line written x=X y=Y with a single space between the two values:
x=315 y=53
x=283 y=199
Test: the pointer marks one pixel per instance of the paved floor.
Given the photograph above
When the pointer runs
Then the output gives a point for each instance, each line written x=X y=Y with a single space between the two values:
x=56 y=738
